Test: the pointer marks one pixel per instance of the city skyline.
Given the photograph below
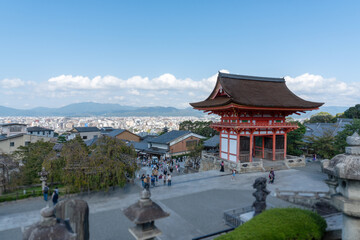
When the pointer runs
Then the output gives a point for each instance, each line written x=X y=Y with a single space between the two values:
x=168 y=53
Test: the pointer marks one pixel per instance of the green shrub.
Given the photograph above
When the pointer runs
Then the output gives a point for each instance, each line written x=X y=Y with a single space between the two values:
x=280 y=223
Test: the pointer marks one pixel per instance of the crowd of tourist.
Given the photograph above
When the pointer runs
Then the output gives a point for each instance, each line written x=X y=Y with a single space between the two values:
x=161 y=170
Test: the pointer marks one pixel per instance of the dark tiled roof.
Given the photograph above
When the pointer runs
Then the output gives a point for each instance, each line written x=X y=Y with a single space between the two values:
x=38 y=129
x=169 y=136
x=58 y=146
x=106 y=129
x=12 y=136
x=214 y=141
x=114 y=132
x=87 y=129
x=91 y=142
x=319 y=129
x=143 y=147
x=11 y=124
x=254 y=92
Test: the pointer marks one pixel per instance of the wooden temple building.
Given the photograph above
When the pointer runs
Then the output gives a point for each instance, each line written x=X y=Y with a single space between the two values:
x=253 y=111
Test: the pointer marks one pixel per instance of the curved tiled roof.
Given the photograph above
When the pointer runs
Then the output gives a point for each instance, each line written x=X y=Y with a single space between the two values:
x=254 y=92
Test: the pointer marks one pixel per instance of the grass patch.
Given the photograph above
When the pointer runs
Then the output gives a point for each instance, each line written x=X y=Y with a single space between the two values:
x=280 y=224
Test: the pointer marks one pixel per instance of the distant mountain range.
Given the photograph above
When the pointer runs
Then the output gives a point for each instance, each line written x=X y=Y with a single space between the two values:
x=88 y=109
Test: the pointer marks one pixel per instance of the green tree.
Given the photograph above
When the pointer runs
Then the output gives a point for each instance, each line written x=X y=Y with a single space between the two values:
x=75 y=155
x=322 y=117
x=323 y=145
x=61 y=139
x=199 y=127
x=349 y=129
x=353 y=112
x=112 y=162
x=295 y=140
x=32 y=156
x=55 y=165
x=195 y=155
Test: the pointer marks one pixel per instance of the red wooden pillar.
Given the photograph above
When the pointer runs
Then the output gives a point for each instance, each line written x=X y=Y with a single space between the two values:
x=220 y=144
x=228 y=147
x=274 y=147
x=251 y=147
x=238 y=147
x=263 y=146
x=285 y=144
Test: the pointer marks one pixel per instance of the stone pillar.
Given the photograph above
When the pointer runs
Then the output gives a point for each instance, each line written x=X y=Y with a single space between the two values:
x=49 y=228
x=43 y=177
x=77 y=211
x=344 y=169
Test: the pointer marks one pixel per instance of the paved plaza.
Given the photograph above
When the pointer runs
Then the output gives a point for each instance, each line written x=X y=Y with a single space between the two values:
x=196 y=203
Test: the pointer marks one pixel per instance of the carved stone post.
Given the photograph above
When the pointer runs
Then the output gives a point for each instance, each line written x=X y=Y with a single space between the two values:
x=144 y=213
x=344 y=168
x=260 y=195
x=49 y=228
x=43 y=177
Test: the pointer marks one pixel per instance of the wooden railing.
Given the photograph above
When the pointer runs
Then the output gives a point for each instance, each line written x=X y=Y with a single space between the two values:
x=254 y=125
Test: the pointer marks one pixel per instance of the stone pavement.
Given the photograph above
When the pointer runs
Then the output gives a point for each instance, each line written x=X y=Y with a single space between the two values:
x=195 y=202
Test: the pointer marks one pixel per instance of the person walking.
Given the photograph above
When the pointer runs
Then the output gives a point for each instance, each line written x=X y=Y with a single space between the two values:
x=46 y=192
x=222 y=166
x=152 y=180
x=164 y=179
x=233 y=175
x=156 y=173
x=142 y=180
x=169 y=180
x=271 y=176
x=147 y=182
x=55 y=196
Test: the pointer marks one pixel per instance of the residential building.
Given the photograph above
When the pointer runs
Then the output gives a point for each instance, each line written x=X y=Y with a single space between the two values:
x=13 y=142
x=86 y=133
x=9 y=129
x=40 y=131
x=176 y=142
x=122 y=134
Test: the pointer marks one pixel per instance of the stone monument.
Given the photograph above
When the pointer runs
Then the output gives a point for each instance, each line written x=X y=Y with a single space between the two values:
x=49 y=228
x=260 y=195
x=344 y=184
x=77 y=211
x=144 y=213
x=43 y=177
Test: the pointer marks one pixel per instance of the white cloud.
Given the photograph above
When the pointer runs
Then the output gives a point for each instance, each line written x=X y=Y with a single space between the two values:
x=165 y=90
x=134 y=92
x=12 y=83
x=329 y=90
x=166 y=81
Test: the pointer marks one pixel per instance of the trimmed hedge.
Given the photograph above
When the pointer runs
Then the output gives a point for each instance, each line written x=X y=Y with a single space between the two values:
x=280 y=223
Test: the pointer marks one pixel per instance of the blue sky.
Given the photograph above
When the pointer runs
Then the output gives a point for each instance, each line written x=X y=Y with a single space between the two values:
x=167 y=53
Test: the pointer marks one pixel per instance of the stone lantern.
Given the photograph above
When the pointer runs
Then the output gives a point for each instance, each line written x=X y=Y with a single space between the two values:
x=144 y=213
x=49 y=228
x=344 y=184
x=43 y=177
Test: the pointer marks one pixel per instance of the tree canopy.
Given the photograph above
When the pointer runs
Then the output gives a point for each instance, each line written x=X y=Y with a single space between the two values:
x=32 y=157
x=352 y=112
x=295 y=140
x=107 y=163
x=199 y=127
x=322 y=117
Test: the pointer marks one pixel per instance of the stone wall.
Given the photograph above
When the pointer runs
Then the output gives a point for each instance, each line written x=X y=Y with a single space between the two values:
x=295 y=161
x=212 y=162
